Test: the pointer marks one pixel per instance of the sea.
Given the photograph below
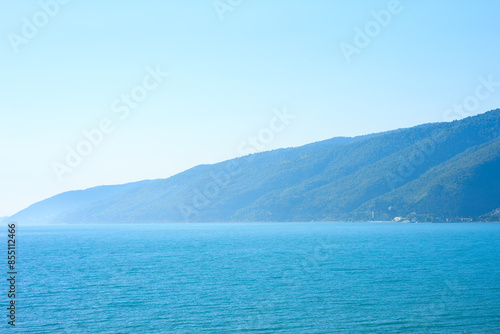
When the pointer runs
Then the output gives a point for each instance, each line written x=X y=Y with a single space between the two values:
x=256 y=278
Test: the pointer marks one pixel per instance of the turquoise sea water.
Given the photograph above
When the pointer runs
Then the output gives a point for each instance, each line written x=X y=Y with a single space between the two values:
x=258 y=278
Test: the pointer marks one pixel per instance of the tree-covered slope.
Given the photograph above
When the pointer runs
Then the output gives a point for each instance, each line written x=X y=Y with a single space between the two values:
x=433 y=171
x=468 y=185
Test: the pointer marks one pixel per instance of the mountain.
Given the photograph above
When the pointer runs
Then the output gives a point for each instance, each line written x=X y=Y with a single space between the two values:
x=431 y=172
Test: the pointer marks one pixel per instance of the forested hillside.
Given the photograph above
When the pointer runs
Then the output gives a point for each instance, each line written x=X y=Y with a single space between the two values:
x=431 y=172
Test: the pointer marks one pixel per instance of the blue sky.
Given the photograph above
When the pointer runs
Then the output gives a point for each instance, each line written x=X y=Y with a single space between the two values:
x=226 y=79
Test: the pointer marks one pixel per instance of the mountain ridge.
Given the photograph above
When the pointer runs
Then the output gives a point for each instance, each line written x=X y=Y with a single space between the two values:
x=431 y=172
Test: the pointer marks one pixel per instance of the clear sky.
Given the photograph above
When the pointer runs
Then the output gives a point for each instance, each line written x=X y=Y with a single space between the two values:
x=67 y=68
